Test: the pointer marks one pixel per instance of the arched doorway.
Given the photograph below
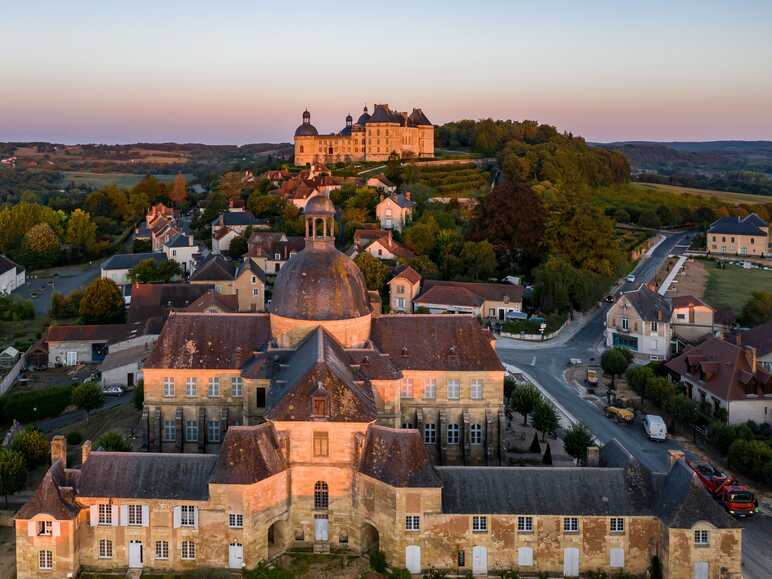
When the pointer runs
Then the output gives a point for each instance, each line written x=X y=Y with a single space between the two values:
x=277 y=538
x=370 y=538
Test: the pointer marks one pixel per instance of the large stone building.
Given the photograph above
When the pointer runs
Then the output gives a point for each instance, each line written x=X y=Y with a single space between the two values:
x=744 y=236
x=372 y=138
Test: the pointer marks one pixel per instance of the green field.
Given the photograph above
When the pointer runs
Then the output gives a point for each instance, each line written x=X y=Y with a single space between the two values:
x=122 y=180
x=733 y=286
x=724 y=196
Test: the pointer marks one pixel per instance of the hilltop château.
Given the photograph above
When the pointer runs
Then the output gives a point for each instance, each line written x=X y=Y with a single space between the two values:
x=372 y=138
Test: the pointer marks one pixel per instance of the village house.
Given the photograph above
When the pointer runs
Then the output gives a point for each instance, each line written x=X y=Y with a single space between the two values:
x=692 y=320
x=315 y=180
x=124 y=366
x=151 y=303
x=271 y=249
x=244 y=279
x=727 y=376
x=216 y=270
x=117 y=268
x=640 y=321
x=395 y=211
x=70 y=345
x=231 y=224
x=486 y=300
x=759 y=338
x=744 y=236
x=382 y=183
x=404 y=286
x=12 y=276
x=213 y=302
x=182 y=249
x=380 y=244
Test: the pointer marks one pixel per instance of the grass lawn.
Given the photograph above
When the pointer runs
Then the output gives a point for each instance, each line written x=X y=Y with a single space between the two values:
x=733 y=286
x=21 y=332
x=725 y=196
x=123 y=180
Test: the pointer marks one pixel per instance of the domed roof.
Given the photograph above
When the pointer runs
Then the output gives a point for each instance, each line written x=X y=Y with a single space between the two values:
x=319 y=205
x=306 y=130
x=320 y=283
x=364 y=117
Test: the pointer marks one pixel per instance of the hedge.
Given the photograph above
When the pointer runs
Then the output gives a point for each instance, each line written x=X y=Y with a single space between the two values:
x=30 y=406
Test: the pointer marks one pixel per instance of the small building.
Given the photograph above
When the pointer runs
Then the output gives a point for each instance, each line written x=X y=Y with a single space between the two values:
x=117 y=268
x=744 y=236
x=12 y=275
x=487 y=300
x=272 y=249
x=9 y=357
x=382 y=183
x=213 y=302
x=640 y=322
x=728 y=376
x=124 y=367
x=692 y=319
x=395 y=211
x=249 y=285
x=380 y=244
x=70 y=345
x=218 y=271
x=404 y=286
x=231 y=224
x=182 y=249
x=759 y=338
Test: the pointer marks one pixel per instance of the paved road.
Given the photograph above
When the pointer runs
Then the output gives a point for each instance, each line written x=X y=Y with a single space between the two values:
x=59 y=422
x=546 y=365
x=41 y=287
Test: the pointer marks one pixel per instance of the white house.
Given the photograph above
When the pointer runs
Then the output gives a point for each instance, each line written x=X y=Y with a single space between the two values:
x=395 y=211
x=640 y=322
x=230 y=224
x=181 y=249
x=117 y=268
x=12 y=276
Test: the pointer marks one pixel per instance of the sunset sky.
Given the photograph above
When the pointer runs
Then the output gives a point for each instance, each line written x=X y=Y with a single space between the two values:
x=242 y=71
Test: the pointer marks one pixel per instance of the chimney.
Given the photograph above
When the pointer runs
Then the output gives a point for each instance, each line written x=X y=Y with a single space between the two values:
x=750 y=357
x=408 y=195
x=59 y=450
x=738 y=338
x=674 y=456
x=388 y=235
x=85 y=450
x=593 y=456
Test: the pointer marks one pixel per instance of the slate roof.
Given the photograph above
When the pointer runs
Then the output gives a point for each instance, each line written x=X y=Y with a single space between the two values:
x=6 y=264
x=193 y=340
x=268 y=243
x=248 y=455
x=759 y=337
x=231 y=218
x=215 y=268
x=319 y=367
x=130 y=260
x=373 y=365
x=443 y=342
x=398 y=457
x=156 y=300
x=123 y=357
x=651 y=306
x=145 y=475
x=50 y=498
x=180 y=240
x=468 y=294
x=383 y=114
x=748 y=225
x=417 y=118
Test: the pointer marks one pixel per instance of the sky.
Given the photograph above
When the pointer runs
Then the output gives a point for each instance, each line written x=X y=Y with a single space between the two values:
x=234 y=71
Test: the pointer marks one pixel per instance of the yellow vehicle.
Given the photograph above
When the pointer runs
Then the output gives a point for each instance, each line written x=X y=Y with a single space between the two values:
x=624 y=415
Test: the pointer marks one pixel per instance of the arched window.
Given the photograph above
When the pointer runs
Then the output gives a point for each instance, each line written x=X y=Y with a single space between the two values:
x=321 y=495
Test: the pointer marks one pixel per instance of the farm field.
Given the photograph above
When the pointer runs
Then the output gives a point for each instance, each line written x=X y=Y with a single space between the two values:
x=733 y=286
x=99 y=180
x=725 y=196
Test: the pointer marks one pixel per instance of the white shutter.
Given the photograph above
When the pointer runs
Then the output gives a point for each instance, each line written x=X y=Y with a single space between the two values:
x=114 y=513
x=93 y=515
x=195 y=517
x=32 y=528
x=617 y=558
x=177 y=517
x=145 y=515
x=124 y=515
x=56 y=529
x=525 y=556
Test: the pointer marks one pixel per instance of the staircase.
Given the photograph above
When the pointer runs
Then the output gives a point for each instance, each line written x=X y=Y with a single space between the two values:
x=133 y=573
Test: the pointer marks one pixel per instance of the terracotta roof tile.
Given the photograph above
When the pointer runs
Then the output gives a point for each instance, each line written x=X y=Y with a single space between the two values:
x=398 y=457
x=248 y=455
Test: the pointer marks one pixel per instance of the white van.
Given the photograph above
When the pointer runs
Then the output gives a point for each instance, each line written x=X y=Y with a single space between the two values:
x=654 y=427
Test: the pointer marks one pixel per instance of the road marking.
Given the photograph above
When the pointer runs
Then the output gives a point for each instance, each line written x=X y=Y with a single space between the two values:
x=533 y=361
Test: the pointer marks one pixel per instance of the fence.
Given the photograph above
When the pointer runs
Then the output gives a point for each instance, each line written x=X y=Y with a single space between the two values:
x=535 y=337
x=13 y=373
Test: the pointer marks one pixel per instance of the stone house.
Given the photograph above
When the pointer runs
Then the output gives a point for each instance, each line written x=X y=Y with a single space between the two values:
x=249 y=285
x=117 y=268
x=382 y=183
x=395 y=211
x=216 y=270
x=404 y=286
x=12 y=276
x=742 y=236
x=272 y=249
x=84 y=344
x=124 y=366
x=380 y=244
x=640 y=321
x=728 y=376
x=486 y=300
x=231 y=224
x=692 y=320
x=759 y=338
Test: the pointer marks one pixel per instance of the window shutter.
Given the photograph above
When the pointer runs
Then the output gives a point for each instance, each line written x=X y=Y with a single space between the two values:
x=94 y=515
x=56 y=529
x=145 y=515
x=525 y=556
x=617 y=558
x=195 y=517
x=32 y=529
x=114 y=512
x=177 y=517
x=124 y=515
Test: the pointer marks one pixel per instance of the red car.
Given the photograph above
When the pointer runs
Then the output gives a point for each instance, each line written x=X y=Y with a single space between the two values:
x=736 y=498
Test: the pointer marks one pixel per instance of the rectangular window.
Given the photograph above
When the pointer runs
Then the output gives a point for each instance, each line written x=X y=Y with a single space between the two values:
x=412 y=523
x=168 y=387
x=617 y=525
x=188 y=516
x=400 y=289
x=479 y=524
x=525 y=556
x=237 y=386
x=475 y=434
x=135 y=515
x=170 y=431
x=105 y=549
x=46 y=559
x=453 y=433
x=430 y=391
x=477 y=389
x=105 y=515
x=461 y=557
x=213 y=431
x=321 y=444
x=319 y=406
x=235 y=520
x=162 y=550
x=401 y=303
x=407 y=388
x=255 y=292
x=188 y=550
x=45 y=528
x=653 y=327
x=214 y=387
x=570 y=525
x=625 y=324
x=191 y=386
x=701 y=537
x=454 y=389
x=430 y=433
x=191 y=431
x=525 y=524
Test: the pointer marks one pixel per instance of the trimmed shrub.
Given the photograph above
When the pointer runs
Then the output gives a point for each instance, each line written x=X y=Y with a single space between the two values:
x=31 y=406
x=378 y=561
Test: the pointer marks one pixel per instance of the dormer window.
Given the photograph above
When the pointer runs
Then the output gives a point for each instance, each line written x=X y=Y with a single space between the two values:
x=319 y=406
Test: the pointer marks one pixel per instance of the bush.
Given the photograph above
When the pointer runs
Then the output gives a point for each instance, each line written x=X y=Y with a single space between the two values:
x=88 y=396
x=112 y=442
x=750 y=457
x=264 y=571
x=33 y=446
x=75 y=438
x=766 y=473
x=13 y=309
x=31 y=406
x=378 y=561
x=139 y=395
x=400 y=574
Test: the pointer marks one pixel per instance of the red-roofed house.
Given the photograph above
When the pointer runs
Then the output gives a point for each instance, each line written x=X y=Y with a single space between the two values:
x=489 y=300
x=403 y=288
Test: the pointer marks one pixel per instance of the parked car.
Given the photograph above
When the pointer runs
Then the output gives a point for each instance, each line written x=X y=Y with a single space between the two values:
x=736 y=498
x=621 y=415
x=609 y=299
x=113 y=390
x=630 y=278
x=655 y=428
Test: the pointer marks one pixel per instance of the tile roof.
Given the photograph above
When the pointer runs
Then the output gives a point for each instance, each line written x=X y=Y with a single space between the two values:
x=469 y=294
x=130 y=260
x=212 y=299
x=144 y=475
x=748 y=225
x=759 y=337
x=91 y=333
x=651 y=306
x=156 y=300
x=193 y=340
x=50 y=498
x=397 y=457
x=678 y=302
x=249 y=266
x=248 y=455
x=444 y=342
x=406 y=272
x=215 y=268
x=6 y=264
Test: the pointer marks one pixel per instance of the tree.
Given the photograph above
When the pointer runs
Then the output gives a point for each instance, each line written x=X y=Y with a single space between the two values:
x=88 y=396
x=373 y=270
x=151 y=271
x=757 y=310
x=614 y=362
x=33 y=446
x=41 y=244
x=648 y=218
x=102 y=303
x=421 y=236
x=525 y=398
x=393 y=170
x=685 y=410
x=13 y=473
x=545 y=419
x=179 y=191
x=621 y=216
x=112 y=442
x=81 y=231
x=639 y=379
x=238 y=246
x=231 y=184
x=479 y=259
x=577 y=440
